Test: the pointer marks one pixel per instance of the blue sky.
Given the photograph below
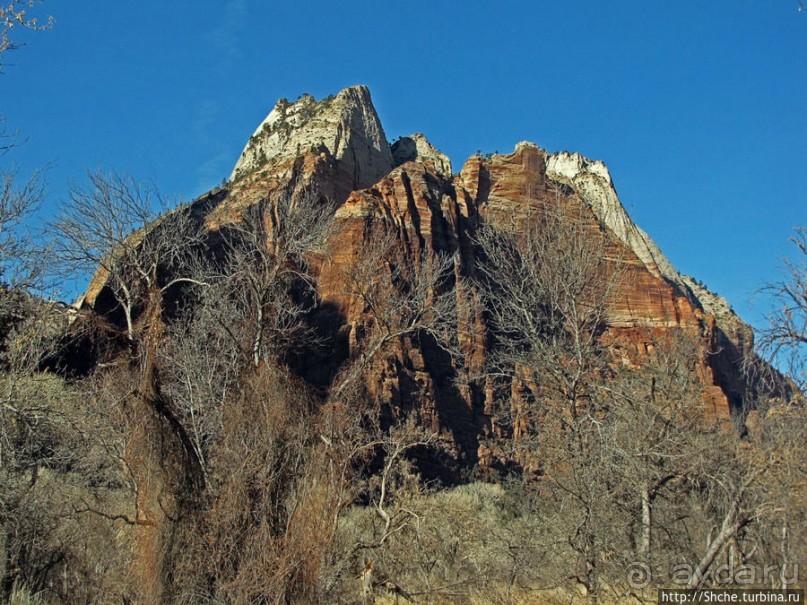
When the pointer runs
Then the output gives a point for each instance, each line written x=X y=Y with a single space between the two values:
x=698 y=108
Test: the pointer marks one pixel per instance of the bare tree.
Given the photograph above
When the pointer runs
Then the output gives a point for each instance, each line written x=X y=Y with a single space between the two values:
x=399 y=295
x=387 y=491
x=547 y=284
x=201 y=366
x=17 y=205
x=676 y=472
x=782 y=523
x=54 y=460
x=655 y=429
x=16 y=14
x=22 y=254
x=370 y=462
x=264 y=274
x=548 y=279
x=111 y=227
x=784 y=340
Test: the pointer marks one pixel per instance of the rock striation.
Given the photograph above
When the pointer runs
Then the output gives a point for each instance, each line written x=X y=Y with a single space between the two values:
x=592 y=181
x=337 y=148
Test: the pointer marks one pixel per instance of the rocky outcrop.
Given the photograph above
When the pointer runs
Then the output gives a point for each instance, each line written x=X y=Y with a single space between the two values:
x=433 y=212
x=592 y=181
x=511 y=186
x=732 y=345
x=346 y=127
x=417 y=148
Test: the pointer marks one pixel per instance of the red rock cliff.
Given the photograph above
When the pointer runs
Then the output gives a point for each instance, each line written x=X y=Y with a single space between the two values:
x=337 y=147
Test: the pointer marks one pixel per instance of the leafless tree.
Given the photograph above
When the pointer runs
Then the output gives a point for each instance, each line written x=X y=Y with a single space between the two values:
x=264 y=272
x=368 y=461
x=784 y=340
x=547 y=282
x=782 y=520
x=22 y=253
x=16 y=14
x=201 y=366
x=656 y=431
x=675 y=470
x=111 y=227
x=548 y=279
x=388 y=490
x=399 y=295
x=17 y=205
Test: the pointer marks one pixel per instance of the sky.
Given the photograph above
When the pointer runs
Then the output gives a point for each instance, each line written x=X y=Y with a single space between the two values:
x=697 y=108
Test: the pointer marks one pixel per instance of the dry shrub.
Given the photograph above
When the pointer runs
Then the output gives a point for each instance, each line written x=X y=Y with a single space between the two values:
x=60 y=489
x=265 y=528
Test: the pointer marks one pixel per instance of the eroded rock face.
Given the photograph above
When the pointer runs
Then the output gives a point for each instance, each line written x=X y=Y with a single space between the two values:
x=337 y=148
x=592 y=181
x=508 y=187
x=432 y=212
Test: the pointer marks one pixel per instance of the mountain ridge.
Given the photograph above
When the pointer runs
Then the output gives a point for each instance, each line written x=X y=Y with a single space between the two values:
x=279 y=131
x=335 y=148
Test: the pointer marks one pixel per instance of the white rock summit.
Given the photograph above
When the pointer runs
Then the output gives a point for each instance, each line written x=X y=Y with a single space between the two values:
x=592 y=181
x=346 y=125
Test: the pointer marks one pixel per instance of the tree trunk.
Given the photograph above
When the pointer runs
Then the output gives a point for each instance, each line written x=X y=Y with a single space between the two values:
x=366 y=579
x=127 y=311
x=728 y=529
x=592 y=581
x=647 y=520
x=257 y=344
x=785 y=553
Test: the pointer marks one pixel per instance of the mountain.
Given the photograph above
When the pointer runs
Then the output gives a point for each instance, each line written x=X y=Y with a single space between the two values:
x=353 y=372
x=336 y=149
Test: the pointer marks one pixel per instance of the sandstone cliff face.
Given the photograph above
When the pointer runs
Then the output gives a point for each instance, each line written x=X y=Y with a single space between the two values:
x=592 y=181
x=337 y=148
x=434 y=212
x=511 y=185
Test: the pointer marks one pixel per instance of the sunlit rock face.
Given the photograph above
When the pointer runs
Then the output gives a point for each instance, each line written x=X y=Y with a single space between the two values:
x=336 y=148
x=346 y=126
x=432 y=211
x=592 y=181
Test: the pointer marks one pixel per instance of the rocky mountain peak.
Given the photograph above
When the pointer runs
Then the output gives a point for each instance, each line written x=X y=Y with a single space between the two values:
x=416 y=147
x=346 y=124
x=592 y=182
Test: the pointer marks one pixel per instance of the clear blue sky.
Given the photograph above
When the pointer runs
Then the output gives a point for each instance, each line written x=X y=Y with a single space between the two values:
x=698 y=108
